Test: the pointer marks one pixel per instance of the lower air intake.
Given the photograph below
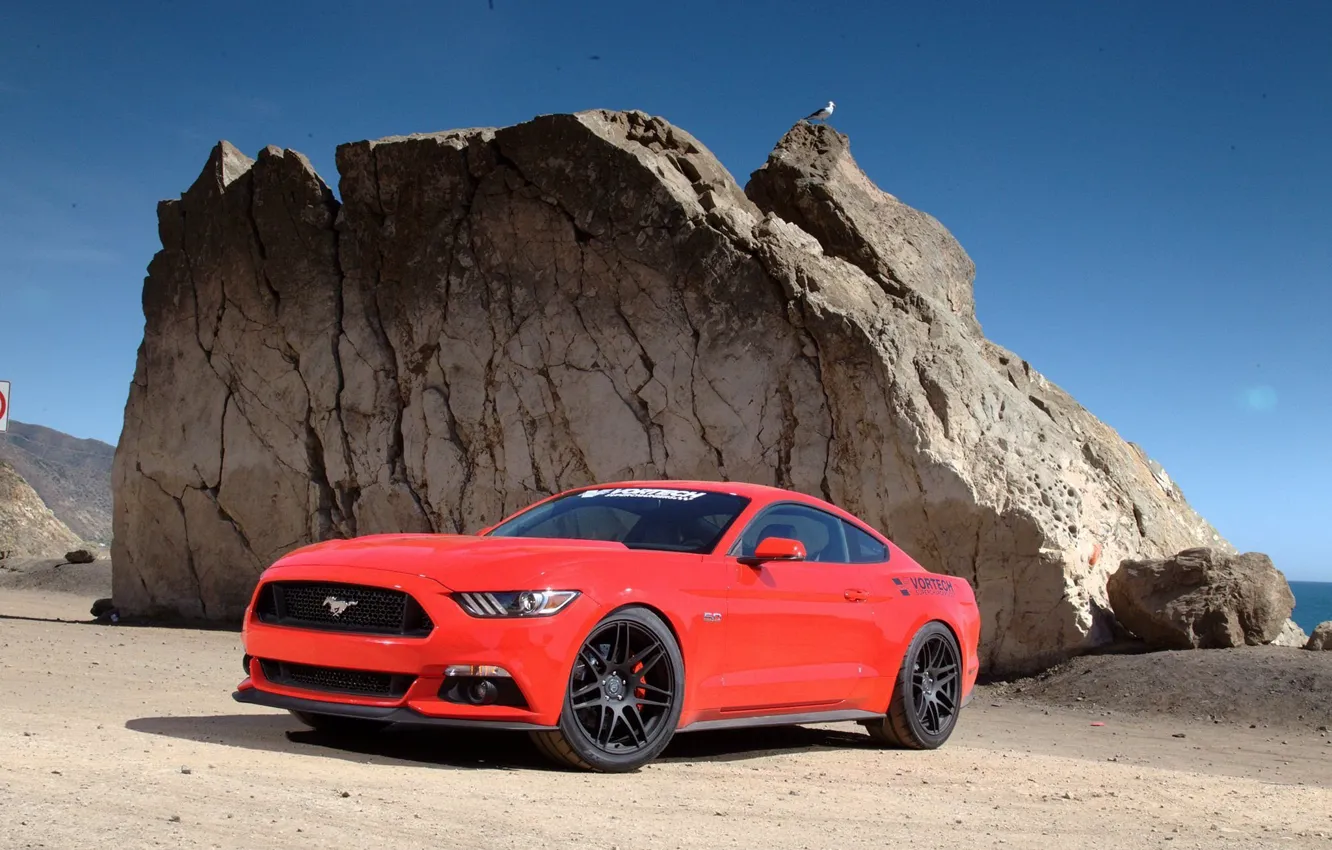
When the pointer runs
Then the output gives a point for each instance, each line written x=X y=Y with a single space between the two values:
x=336 y=680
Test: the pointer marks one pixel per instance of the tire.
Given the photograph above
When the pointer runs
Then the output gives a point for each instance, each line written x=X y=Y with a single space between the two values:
x=334 y=724
x=926 y=702
x=628 y=673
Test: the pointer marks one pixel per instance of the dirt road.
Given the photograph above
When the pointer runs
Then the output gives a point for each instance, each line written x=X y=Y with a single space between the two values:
x=128 y=737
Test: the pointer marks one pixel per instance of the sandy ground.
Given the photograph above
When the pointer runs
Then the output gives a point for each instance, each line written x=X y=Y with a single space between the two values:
x=129 y=735
x=53 y=574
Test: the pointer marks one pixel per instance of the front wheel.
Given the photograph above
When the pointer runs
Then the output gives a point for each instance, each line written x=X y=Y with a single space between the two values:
x=927 y=695
x=623 y=699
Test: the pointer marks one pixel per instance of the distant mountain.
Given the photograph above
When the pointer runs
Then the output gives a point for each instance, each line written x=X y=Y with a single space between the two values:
x=28 y=528
x=71 y=475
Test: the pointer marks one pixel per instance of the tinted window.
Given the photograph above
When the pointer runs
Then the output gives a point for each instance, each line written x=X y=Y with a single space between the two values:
x=820 y=533
x=863 y=548
x=672 y=520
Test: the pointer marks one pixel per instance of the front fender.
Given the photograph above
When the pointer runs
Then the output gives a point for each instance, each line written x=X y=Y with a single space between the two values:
x=699 y=639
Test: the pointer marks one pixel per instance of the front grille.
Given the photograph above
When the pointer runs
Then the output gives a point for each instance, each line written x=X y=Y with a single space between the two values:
x=335 y=680
x=342 y=607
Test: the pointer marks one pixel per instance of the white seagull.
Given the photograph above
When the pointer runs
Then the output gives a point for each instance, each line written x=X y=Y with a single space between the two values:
x=822 y=114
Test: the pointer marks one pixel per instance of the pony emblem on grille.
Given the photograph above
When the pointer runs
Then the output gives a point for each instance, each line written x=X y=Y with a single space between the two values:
x=338 y=607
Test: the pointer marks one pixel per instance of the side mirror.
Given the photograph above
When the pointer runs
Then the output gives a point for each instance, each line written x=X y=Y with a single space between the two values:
x=776 y=549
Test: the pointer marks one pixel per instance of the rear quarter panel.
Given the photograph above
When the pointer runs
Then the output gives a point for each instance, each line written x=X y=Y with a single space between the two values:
x=906 y=597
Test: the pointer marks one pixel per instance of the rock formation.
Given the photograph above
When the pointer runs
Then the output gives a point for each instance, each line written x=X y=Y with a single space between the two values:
x=1291 y=635
x=1321 y=639
x=1202 y=599
x=490 y=315
x=28 y=528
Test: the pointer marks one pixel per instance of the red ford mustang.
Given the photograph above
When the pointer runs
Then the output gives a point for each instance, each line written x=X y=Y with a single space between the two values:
x=604 y=620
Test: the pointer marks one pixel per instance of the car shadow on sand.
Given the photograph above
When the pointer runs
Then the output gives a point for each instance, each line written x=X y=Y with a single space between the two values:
x=455 y=749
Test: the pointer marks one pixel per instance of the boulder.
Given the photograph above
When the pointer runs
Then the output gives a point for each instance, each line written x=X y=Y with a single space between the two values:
x=104 y=611
x=1202 y=598
x=487 y=316
x=80 y=556
x=1291 y=635
x=1321 y=637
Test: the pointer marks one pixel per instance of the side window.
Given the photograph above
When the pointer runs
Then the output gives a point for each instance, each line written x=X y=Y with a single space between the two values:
x=863 y=548
x=820 y=533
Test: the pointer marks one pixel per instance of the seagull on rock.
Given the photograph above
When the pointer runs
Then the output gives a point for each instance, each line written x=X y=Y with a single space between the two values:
x=822 y=114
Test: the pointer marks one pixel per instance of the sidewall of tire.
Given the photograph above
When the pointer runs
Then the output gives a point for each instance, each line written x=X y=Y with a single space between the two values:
x=577 y=738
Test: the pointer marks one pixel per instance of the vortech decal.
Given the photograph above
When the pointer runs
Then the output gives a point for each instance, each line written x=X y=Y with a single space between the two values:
x=932 y=585
x=928 y=585
x=644 y=493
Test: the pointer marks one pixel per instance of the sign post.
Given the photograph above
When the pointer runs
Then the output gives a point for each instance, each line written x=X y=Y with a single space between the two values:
x=4 y=406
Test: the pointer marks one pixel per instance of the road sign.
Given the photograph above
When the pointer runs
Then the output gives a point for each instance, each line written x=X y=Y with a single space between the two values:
x=4 y=406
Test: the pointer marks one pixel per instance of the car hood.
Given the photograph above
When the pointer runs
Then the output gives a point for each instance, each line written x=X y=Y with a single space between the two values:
x=460 y=561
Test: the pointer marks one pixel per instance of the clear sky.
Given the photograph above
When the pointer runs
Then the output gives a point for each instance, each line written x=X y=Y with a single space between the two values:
x=1144 y=186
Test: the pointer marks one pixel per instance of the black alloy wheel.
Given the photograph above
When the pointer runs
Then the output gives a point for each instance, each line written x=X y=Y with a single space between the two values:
x=927 y=696
x=624 y=696
x=936 y=684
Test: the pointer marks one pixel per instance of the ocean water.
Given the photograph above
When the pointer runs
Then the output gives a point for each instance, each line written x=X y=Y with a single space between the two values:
x=1313 y=603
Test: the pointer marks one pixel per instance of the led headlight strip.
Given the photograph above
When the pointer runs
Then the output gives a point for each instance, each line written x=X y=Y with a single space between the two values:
x=515 y=603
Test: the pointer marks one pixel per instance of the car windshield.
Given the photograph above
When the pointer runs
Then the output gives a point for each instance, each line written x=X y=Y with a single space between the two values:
x=667 y=519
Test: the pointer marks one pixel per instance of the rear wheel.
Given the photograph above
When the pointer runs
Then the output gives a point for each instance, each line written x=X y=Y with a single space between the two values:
x=623 y=699
x=335 y=724
x=927 y=696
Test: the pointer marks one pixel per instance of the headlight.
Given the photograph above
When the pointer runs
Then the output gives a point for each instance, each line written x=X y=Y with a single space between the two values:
x=515 y=603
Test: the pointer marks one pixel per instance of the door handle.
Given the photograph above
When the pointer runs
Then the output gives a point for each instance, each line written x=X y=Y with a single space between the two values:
x=856 y=595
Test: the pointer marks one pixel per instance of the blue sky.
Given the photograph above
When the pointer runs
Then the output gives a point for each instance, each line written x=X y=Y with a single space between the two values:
x=1143 y=186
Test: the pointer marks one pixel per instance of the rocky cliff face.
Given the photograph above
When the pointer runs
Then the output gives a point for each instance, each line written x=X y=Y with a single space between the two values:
x=491 y=315
x=28 y=528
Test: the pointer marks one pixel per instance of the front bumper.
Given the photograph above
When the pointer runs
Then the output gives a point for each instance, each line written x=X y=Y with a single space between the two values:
x=256 y=696
x=538 y=653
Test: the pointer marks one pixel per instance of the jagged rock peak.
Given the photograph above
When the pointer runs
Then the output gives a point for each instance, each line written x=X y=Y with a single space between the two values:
x=811 y=180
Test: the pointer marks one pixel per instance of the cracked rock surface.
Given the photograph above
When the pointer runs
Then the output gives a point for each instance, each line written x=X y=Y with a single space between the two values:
x=490 y=315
